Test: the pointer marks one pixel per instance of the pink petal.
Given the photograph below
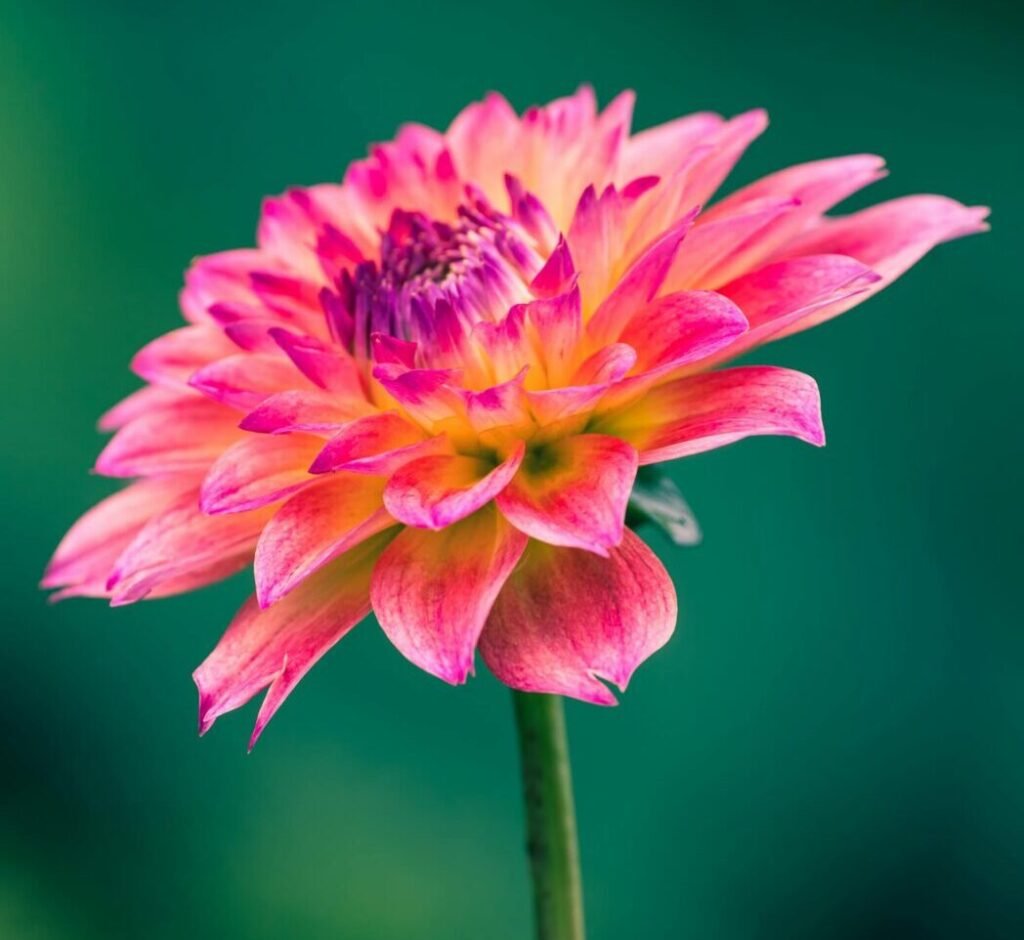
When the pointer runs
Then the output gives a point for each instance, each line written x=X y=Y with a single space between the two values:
x=785 y=294
x=388 y=349
x=432 y=591
x=289 y=227
x=184 y=435
x=659 y=150
x=378 y=444
x=273 y=649
x=313 y=528
x=172 y=358
x=728 y=144
x=434 y=492
x=502 y=408
x=258 y=470
x=328 y=367
x=817 y=187
x=480 y=138
x=557 y=324
x=565 y=408
x=244 y=380
x=426 y=394
x=683 y=327
x=314 y=411
x=606 y=366
x=639 y=286
x=182 y=541
x=889 y=238
x=573 y=492
x=558 y=276
x=720 y=250
x=218 y=278
x=567 y=618
x=147 y=398
x=700 y=412
x=86 y=554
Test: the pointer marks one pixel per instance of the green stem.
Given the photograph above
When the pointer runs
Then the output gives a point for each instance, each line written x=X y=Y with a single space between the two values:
x=550 y=817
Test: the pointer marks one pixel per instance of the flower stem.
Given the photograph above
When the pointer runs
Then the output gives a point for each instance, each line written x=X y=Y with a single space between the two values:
x=551 y=841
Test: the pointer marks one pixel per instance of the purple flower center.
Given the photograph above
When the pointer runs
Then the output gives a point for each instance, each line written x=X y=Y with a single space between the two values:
x=435 y=281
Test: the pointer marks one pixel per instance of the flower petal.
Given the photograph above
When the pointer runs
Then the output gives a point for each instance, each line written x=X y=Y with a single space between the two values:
x=260 y=469
x=683 y=327
x=87 y=553
x=786 y=293
x=718 y=251
x=273 y=649
x=140 y=401
x=701 y=412
x=639 y=285
x=379 y=444
x=889 y=238
x=567 y=617
x=314 y=411
x=183 y=542
x=244 y=380
x=433 y=492
x=432 y=591
x=314 y=527
x=817 y=186
x=573 y=492
x=179 y=436
x=170 y=359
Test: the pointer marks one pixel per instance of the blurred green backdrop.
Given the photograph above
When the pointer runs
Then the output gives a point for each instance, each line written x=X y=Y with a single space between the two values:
x=831 y=747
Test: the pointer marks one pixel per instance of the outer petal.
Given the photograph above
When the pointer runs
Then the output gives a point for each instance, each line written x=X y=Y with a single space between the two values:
x=172 y=358
x=728 y=144
x=683 y=327
x=785 y=295
x=817 y=186
x=639 y=285
x=184 y=435
x=701 y=412
x=85 y=555
x=659 y=150
x=184 y=543
x=314 y=527
x=434 y=492
x=720 y=250
x=573 y=492
x=258 y=470
x=432 y=591
x=275 y=648
x=481 y=138
x=889 y=238
x=147 y=398
x=566 y=617
x=246 y=379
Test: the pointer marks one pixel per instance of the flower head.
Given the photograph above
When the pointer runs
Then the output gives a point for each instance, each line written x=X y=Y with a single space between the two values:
x=428 y=391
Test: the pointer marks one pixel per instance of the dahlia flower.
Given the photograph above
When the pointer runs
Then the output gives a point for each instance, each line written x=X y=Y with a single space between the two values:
x=429 y=388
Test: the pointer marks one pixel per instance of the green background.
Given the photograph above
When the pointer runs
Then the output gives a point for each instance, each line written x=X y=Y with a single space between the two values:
x=830 y=747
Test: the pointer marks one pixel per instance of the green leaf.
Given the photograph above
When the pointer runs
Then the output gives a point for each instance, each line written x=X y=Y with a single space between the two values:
x=657 y=499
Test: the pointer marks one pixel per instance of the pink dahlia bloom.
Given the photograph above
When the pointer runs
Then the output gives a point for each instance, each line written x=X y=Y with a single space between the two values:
x=428 y=390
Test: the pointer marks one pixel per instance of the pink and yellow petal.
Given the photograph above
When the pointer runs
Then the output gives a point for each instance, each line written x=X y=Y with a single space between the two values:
x=274 y=648
x=573 y=492
x=258 y=470
x=315 y=526
x=434 y=492
x=432 y=591
x=701 y=412
x=567 y=618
